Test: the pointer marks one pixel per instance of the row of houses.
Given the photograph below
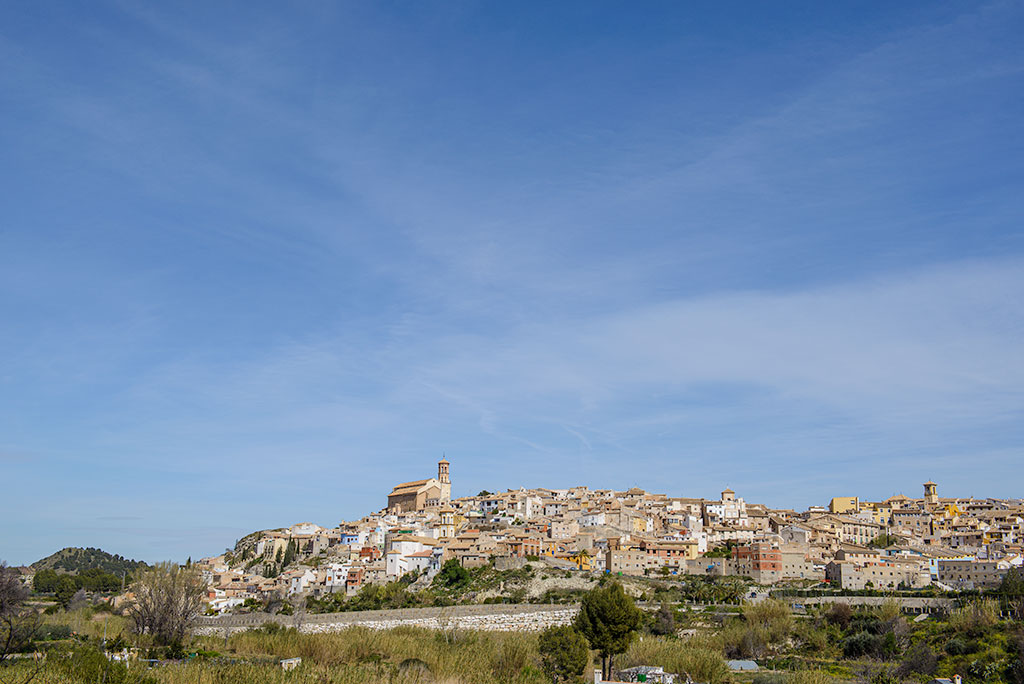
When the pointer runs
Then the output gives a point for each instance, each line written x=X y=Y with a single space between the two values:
x=954 y=542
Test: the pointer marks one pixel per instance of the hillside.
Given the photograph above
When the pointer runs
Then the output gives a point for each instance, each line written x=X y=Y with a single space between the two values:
x=75 y=560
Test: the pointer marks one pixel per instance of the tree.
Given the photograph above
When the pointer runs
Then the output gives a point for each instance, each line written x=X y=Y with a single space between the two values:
x=289 y=553
x=1013 y=583
x=452 y=575
x=45 y=581
x=13 y=592
x=167 y=598
x=919 y=659
x=883 y=541
x=664 y=623
x=18 y=624
x=1015 y=671
x=608 y=619
x=563 y=653
x=840 y=614
x=65 y=589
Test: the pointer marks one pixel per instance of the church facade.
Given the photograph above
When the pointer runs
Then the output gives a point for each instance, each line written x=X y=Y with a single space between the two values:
x=420 y=494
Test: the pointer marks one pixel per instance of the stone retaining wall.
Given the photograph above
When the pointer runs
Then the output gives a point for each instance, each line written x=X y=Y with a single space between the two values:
x=483 y=617
x=908 y=604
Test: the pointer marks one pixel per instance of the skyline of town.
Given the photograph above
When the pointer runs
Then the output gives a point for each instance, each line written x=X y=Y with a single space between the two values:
x=37 y=552
x=929 y=542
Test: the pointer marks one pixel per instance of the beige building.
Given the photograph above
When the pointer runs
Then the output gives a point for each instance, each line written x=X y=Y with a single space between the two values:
x=972 y=574
x=420 y=494
x=893 y=573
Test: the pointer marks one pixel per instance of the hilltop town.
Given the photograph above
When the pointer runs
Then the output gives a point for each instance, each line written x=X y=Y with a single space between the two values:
x=899 y=543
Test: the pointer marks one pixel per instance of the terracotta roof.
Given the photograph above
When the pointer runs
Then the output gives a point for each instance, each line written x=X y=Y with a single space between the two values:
x=408 y=487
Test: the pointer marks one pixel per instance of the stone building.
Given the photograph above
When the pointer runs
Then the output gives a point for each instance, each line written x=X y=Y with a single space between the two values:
x=421 y=494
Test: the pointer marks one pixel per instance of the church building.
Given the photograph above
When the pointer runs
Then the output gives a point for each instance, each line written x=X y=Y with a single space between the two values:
x=415 y=496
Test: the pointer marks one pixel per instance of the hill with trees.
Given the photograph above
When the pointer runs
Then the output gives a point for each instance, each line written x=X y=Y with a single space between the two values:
x=75 y=560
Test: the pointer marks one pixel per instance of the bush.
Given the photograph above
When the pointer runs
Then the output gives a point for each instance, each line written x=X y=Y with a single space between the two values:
x=452 y=575
x=839 y=614
x=564 y=653
x=1015 y=671
x=53 y=632
x=919 y=659
x=773 y=617
x=862 y=644
x=958 y=646
x=663 y=622
x=976 y=618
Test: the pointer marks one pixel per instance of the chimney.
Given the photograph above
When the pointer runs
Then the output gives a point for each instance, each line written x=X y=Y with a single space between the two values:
x=957 y=680
x=597 y=676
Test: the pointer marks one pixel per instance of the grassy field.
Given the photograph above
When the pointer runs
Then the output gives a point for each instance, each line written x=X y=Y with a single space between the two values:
x=879 y=646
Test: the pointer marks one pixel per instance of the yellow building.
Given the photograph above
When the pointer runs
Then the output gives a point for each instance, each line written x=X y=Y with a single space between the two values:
x=880 y=511
x=582 y=558
x=844 y=505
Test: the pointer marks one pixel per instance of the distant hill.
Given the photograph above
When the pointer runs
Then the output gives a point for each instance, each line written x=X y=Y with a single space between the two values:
x=75 y=560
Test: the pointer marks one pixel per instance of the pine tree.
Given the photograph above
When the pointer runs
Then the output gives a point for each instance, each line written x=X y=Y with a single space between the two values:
x=609 y=620
x=564 y=653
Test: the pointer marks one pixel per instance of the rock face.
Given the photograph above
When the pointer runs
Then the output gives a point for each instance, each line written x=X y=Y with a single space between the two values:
x=491 y=618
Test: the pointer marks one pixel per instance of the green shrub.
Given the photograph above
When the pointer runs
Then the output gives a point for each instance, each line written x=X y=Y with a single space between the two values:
x=52 y=632
x=958 y=646
x=862 y=644
x=564 y=653
x=919 y=659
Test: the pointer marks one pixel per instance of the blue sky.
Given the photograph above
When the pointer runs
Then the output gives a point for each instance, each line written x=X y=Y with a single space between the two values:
x=260 y=261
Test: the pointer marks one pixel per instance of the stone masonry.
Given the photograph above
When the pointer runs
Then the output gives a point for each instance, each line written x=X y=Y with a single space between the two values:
x=505 y=618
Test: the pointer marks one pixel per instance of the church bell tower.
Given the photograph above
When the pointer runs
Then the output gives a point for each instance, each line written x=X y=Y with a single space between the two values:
x=442 y=477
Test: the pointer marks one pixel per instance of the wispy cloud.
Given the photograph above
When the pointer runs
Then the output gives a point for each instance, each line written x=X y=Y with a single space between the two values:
x=255 y=264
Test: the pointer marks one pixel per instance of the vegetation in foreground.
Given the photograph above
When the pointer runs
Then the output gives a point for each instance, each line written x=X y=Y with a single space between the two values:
x=880 y=646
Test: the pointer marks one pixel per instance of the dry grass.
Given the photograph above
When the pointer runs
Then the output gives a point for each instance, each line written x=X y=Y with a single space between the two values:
x=696 y=657
x=91 y=623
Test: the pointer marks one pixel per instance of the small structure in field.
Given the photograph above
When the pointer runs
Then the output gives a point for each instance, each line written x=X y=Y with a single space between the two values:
x=647 y=674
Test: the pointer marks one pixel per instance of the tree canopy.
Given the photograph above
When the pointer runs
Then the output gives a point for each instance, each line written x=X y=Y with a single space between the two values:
x=452 y=575
x=1013 y=583
x=563 y=653
x=167 y=598
x=609 y=619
